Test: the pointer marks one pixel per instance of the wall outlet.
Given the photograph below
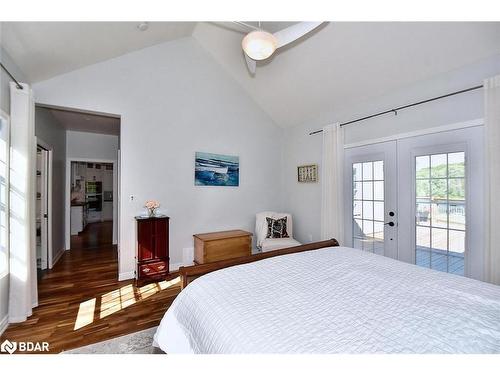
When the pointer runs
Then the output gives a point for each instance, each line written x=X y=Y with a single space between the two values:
x=310 y=236
x=132 y=197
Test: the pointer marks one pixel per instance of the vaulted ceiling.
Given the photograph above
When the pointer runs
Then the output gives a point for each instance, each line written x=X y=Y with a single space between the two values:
x=346 y=62
x=333 y=67
x=45 y=49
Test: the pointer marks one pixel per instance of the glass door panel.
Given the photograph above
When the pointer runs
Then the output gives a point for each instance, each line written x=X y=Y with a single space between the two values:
x=368 y=206
x=440 y=211
x=371 y=185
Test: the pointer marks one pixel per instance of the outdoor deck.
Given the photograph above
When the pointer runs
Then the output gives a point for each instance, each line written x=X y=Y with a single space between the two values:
x=440 y=261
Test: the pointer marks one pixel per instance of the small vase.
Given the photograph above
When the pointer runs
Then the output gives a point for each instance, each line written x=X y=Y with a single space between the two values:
x=152 y=212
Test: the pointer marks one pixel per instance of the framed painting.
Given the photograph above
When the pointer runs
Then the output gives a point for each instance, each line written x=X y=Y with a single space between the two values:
x=216 y=170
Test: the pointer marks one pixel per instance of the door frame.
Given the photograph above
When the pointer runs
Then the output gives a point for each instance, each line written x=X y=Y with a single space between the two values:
x=415 y=133
x=475 y=270
x=67 y=199
x=49 y=175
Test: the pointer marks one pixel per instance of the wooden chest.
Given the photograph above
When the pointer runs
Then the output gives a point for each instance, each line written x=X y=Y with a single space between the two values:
x=211 y=247
x=152 y=248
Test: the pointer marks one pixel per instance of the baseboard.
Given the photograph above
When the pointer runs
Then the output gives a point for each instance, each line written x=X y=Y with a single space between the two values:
x=126 y=275
x=4 y=323
x=175 y=266
x=56 y=259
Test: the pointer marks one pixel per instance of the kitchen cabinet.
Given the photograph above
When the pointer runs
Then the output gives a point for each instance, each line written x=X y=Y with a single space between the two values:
x=78 y=218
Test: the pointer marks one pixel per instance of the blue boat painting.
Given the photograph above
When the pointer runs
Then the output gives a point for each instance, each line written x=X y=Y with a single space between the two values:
x=216 y=170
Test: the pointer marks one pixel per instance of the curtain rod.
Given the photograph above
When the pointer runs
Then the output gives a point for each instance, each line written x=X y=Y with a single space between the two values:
x=11 y=76
x=395 y=110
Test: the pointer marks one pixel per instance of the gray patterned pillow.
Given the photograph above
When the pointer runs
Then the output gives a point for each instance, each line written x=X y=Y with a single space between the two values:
x=276 y=228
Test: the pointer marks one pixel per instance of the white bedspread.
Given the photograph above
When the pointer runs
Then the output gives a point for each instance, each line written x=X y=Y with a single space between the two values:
x=332 y=300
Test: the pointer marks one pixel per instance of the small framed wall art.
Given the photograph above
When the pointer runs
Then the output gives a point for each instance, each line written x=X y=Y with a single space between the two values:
x=307 y=173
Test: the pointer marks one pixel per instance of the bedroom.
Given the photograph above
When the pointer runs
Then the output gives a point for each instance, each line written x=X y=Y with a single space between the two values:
x=380 y=135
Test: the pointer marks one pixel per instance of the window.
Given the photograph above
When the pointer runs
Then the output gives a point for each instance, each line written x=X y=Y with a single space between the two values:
x=4 y=174
x=368 y=206
x=440 y=211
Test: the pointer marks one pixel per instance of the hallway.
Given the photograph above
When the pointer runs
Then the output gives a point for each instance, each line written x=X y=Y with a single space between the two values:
x=95 y=235
x=81 y=302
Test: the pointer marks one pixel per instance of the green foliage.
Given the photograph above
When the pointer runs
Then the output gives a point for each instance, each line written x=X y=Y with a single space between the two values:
x=438 y=187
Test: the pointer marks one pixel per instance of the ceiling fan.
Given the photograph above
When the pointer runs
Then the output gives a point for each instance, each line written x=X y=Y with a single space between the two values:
x=260 y=44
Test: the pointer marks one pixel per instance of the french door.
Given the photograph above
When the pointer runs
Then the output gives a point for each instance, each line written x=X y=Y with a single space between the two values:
x=371 y=213
x=430 y=212
x=440 y=200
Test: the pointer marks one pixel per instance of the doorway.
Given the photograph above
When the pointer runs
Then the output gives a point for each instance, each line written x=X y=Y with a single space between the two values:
x=92 y=203
x=91 y=139
x=411 y=199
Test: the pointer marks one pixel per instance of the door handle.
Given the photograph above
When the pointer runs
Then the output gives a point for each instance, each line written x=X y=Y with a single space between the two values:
x=390 y=223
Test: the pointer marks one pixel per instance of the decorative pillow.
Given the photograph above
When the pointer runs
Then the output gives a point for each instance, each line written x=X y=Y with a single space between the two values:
x=276 y=228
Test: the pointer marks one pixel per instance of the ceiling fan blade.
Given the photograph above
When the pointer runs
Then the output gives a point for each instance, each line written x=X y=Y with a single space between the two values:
x=246 y=25
x=251 y=64
x=294 y=32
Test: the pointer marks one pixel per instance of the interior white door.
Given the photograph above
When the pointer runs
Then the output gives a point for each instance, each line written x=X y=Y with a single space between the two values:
x=371 y=218
x=42 y=175
x=441 y=201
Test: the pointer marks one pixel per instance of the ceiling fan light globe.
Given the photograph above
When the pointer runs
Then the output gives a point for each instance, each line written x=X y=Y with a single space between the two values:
x=259 y=45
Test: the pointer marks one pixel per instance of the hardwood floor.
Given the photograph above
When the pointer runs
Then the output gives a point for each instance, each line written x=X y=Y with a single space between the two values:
x=94 y=235
x=81 y=302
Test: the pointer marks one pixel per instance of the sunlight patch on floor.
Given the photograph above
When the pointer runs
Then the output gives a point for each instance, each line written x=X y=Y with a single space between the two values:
x=167 y=284
x=85 y=314
x=148 y=290
x=119 y=299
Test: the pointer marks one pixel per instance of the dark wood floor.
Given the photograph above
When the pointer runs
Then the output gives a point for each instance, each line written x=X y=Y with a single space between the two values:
x=94 y=235
x=81 y=302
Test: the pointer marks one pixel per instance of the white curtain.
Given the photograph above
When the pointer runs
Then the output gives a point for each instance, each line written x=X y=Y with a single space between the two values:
x=22 y=258
x=492 y=203
x=332 y=200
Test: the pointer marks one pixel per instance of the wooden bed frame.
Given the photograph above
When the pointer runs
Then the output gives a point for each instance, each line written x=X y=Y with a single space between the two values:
x=190 y=273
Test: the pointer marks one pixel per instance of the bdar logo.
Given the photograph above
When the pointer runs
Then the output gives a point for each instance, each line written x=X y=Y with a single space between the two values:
x=8 y=347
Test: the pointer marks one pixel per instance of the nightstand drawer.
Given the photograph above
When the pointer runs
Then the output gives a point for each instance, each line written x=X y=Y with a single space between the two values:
x=153 y=268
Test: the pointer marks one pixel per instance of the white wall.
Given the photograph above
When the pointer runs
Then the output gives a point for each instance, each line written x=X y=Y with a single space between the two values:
x=5 y=106
x=5 y=79
x=48 y=129
x=91 y=146
x=175 y=100
x=304 y=200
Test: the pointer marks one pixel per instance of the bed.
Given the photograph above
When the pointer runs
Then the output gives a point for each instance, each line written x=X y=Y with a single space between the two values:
x=329 y=299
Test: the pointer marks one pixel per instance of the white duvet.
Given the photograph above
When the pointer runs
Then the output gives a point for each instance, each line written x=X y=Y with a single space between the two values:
x=332 y=300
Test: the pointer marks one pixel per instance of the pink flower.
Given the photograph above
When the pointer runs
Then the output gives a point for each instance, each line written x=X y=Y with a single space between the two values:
x=152 y=205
